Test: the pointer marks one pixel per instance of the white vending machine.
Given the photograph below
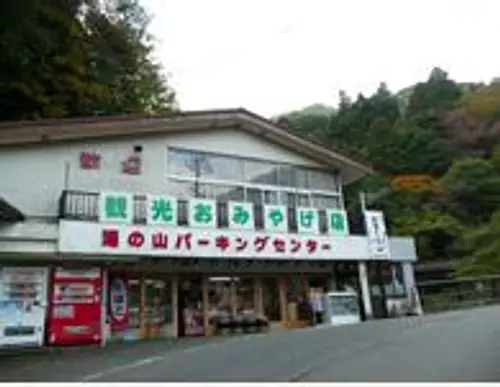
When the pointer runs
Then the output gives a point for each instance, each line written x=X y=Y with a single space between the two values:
x=23 y=306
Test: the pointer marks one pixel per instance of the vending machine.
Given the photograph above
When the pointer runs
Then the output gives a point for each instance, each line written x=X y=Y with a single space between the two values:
x=75 y=310
x=23 y=305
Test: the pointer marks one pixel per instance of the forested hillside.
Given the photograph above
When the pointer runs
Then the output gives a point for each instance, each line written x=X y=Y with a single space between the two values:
x=69 y=58
x=437 y=132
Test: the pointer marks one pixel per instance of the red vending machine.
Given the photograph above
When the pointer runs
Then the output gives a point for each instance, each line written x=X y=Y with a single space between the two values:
x=75 y=311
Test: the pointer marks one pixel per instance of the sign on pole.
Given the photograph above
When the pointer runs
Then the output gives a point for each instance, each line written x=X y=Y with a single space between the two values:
x=377 y=234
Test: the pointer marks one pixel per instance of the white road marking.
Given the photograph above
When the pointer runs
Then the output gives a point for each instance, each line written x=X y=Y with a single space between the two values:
x=135 y=364
x=197 y=348
x=155 y=359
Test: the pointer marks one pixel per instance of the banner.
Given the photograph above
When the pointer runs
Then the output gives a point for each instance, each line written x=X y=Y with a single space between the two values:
x=378 y=239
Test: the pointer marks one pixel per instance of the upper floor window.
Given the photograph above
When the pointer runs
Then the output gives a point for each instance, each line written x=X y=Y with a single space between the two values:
x=224 y=177
x=182 y=163
x=213 y=167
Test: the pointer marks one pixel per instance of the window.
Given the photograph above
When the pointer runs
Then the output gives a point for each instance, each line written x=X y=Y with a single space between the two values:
x=394 y=281
x=181 y=189
x=287 y=176
x=215 y=167
x=224 y=177
x=322 y=202
x=261 y=172
x=254 y=195
x=320 y=180
x=303 y=200
x=288 y=199
x=302 y=178
x=181 y=163
x=271 y=197
x=222 y=193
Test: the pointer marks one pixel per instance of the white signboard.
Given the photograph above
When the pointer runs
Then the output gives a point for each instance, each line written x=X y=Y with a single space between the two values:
x=337 y=222
x=161 y=210
x=275 y=218
x=307 y=220
x=241 y=216
x=116 y=207
x=111 y=239
x=377 y=234
x=202 y=213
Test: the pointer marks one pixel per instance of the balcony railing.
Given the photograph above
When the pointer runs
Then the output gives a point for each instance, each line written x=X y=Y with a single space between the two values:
x=84 y=206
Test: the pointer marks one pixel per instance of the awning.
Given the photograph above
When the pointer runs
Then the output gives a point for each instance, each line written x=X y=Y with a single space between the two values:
x=9 y=213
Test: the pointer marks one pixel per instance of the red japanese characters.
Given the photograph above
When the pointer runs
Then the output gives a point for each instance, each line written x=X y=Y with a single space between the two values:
x=179 y=240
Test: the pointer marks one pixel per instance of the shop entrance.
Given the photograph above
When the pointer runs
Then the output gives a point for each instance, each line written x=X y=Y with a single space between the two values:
x=377 y=290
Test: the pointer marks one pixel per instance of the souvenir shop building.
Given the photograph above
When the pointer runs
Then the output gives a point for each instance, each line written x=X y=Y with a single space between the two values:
x=147 y=226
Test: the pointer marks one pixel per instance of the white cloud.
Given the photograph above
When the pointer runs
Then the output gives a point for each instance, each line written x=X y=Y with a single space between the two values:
x=275 y=55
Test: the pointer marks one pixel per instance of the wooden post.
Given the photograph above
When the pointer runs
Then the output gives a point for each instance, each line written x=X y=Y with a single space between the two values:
x=306 y=288
x=282 y=286
x=204 y=305
x=142 y=306
x=258 y=294
x=233 y=298
x=175 y=306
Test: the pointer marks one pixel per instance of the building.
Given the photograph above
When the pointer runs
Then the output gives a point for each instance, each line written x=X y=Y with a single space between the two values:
x=133 y=227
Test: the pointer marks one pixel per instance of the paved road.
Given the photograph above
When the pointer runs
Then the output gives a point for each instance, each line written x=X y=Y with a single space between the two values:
x=457 y=346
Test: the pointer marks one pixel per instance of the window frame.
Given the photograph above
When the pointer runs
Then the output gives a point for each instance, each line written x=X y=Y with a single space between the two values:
x=279 y=189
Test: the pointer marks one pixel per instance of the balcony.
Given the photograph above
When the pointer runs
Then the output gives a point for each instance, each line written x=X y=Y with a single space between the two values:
x=83 y=206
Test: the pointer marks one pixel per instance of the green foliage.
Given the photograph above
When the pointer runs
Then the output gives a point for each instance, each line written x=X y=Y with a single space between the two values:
x=484 y=245
x=440 y=128
x=472 y=188
x=436 y=233
x=65 y=58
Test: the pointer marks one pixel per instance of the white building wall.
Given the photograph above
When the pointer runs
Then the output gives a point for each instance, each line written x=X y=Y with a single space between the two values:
x=32 y=178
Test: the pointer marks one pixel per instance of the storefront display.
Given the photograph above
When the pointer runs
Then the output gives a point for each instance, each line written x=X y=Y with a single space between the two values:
x=118 y=304
x=343 y=308
x=23 y=295
x=190 y=313
x=158 y=308
x=75 y=311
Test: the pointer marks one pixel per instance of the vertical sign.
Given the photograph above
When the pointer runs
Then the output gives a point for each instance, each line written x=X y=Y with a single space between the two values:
x=116 y=207
x=307 y=220
x=241 y=216
x=162 y=210
x=202 y=213
x=377 y=234
x=275 y=218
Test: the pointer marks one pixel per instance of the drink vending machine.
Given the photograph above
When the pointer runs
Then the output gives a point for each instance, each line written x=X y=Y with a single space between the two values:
x=23 y=304
x=75 y=311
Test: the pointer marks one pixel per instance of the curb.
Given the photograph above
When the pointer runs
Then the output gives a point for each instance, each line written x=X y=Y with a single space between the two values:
x=27 y=352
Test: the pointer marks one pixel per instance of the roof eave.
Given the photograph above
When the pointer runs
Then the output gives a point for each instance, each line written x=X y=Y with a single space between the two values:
x=76 y=129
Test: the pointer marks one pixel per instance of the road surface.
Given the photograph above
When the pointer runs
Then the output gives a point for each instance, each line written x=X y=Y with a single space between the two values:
x=456 y=346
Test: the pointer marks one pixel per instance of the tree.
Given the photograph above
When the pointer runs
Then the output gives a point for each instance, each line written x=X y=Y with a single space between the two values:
x=431 y=128
x=67 y=58
x=472 y=187
x=473 y=127
x=121 y=59
x=484 y=245
x=437 y=234
x=43 y=64
x=434 y=96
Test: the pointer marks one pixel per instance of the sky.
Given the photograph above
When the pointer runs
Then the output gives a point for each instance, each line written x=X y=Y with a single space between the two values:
x=274 y=56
